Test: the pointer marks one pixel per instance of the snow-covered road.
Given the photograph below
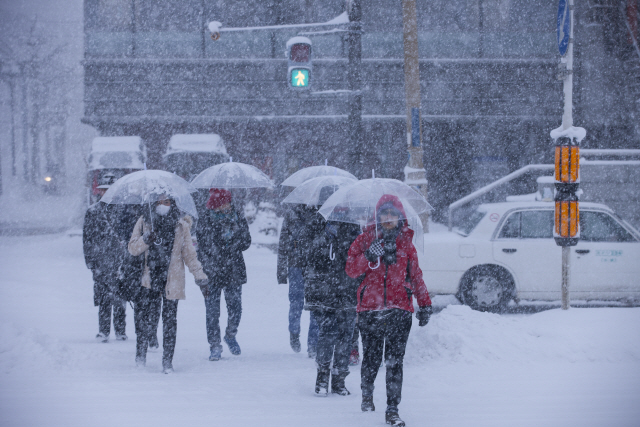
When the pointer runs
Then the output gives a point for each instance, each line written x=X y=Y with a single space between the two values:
x=466 y=368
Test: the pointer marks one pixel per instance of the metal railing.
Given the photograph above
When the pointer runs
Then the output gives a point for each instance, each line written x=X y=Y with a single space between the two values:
x=489 y=187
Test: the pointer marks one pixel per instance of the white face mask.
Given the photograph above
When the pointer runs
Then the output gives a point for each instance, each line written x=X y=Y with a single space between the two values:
x=162 y=210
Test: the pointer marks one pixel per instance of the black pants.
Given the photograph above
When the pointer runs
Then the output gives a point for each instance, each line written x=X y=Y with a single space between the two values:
x=334 y=339
x=149 y=302
x=356 y=336
x=119 y=314
x=233 y=298
x=388 y=330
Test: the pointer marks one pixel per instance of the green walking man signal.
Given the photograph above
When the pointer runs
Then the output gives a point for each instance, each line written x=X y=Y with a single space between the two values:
x=299 y=77
x=299 y=59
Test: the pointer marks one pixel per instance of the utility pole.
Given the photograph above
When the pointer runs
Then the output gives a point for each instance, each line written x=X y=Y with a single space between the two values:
x=354 y=78
x=414 y=172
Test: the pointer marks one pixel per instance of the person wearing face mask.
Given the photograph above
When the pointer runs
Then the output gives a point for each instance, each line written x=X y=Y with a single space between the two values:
x=164 y=237
x=385 y=254
x=223 y=234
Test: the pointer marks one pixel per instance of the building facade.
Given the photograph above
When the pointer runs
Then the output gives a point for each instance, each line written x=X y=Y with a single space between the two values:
x=488 y=83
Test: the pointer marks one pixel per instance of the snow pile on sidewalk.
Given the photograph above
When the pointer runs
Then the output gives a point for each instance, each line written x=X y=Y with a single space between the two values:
x=459 y=334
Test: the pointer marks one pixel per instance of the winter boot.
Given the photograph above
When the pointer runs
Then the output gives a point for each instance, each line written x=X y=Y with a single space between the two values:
x=322 y=383
x=394 y=419
x=141 y=354
x=354 y=357
x=141 y=361
x=102 y=337
x=153 y=343
x=337 y=385
x=121 y=337
x=367 y=404
x=234 y=347
x=216 y=354
x=167 y=366
x=294 y=340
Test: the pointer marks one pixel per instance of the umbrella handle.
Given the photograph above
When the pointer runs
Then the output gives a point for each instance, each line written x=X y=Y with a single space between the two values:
x=332 y=254
x=377 y=265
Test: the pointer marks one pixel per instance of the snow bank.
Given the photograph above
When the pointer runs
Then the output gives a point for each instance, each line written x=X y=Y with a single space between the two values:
x=459 y=334
x=29 y=350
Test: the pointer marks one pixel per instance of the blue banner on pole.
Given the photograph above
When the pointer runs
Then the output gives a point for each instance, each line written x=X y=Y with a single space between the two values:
x=415 y=127
x=564 y=26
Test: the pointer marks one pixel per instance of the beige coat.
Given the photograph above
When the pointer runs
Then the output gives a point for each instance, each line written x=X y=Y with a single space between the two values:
x=182 y=253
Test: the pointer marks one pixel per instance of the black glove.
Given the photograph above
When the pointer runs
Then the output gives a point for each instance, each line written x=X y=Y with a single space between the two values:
x=204 y=286
x=282 y=279
x=331 y=230
x=149 y=237
x=375 y=251
x=423 y=315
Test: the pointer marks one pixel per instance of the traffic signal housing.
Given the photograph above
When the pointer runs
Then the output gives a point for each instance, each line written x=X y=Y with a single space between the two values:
x=567 y=179
x=299 y=55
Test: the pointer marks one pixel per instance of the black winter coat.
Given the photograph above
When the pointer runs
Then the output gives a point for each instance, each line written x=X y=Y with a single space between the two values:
x=103 y=250
x=296 y=235
x=221 y=241
x=327 y=285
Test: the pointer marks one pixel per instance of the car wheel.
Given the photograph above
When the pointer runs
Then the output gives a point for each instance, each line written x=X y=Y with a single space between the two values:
x=487 y=288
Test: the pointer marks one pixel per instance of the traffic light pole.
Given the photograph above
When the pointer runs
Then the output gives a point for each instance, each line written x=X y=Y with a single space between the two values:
x=415 y=174
x=354 y=77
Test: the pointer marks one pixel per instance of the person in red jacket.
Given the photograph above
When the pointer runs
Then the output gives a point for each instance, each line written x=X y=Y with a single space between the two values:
x=386 y=256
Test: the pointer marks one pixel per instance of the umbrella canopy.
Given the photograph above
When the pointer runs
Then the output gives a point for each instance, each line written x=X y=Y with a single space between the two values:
x=306 y=174
x=232 y=175
x=310 y=192
x=146 y=187
x=357 y=202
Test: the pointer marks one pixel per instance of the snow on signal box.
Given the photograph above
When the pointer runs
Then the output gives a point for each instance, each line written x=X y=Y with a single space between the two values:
x=299 y=58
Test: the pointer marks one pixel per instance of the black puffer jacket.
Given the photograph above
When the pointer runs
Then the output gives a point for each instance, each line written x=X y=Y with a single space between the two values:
x=327 y=286
x=295 y=240
x=103 y=250
x=221 y=241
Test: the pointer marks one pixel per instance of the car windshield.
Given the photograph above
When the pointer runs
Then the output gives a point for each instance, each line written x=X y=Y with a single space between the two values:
x=470 y=222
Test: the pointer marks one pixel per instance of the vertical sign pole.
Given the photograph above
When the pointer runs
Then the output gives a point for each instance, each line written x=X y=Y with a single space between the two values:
x=567 y=122
x=415 y=175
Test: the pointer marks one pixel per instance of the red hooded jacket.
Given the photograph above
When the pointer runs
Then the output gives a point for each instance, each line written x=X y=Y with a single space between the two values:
x=388 y=286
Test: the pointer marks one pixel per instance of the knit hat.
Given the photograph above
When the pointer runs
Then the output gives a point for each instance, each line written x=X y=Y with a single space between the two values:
x=389 y=206
x=218 y=197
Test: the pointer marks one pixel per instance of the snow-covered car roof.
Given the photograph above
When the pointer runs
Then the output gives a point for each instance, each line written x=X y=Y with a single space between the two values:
x=507 y=206
x=196 y=143
x=116 y=143
x=117 y=152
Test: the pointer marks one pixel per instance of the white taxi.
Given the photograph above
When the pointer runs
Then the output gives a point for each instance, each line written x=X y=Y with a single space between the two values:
x=506 y=251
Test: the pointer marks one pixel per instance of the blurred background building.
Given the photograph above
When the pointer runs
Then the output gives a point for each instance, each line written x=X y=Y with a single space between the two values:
x=488 y=85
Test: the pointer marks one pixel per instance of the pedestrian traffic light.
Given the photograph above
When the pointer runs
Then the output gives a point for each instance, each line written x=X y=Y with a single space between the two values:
x=567 y=180
x=299 y=58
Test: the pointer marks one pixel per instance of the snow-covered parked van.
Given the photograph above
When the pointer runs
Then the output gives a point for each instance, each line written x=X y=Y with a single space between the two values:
x=113 y=157
x=189 y=154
